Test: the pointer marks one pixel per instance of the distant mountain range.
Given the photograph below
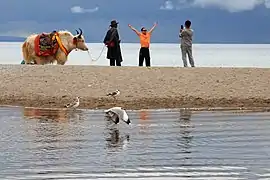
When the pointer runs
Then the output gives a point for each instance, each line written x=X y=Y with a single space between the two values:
x=11 y=39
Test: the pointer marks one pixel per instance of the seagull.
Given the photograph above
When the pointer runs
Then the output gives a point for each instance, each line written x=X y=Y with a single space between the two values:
x=74 y=104
x=117 y=113
x=114 y=94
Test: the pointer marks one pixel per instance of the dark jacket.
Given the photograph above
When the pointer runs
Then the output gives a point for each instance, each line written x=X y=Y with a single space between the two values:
x=113 y=44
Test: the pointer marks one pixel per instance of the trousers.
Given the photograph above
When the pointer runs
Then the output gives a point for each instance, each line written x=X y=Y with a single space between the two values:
x=144 y=54
x=114 y=61
x=187 y=50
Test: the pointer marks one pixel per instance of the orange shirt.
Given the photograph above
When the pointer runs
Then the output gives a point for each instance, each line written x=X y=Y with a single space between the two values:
x=145 y=39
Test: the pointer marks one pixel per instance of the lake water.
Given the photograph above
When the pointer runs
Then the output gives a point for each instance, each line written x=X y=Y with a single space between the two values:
x=160 y=144
x=206 y=55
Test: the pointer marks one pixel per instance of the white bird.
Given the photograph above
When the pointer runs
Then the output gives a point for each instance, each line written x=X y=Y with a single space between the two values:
x=117 y=113
x=114 y=94
x=74 y=104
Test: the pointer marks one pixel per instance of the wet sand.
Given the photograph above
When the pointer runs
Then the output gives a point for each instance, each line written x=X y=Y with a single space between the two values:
x=141 y=87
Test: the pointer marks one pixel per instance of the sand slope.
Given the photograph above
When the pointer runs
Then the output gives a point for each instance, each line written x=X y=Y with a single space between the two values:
x=141 y=87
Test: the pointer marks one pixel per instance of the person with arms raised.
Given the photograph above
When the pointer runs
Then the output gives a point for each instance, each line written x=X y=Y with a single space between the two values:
x=145 y=38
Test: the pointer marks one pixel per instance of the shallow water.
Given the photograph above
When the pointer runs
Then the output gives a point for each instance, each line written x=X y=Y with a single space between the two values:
x=205 y=55
x=161 y=144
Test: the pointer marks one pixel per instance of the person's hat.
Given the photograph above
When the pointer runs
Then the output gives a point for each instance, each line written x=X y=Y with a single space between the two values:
x=143 y=29
x=114 y=22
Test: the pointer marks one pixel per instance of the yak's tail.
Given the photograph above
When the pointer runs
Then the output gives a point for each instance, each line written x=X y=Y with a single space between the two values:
x=25 y=52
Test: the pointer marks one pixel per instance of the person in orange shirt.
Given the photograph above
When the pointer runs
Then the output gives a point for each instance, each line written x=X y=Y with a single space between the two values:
x=145 y=38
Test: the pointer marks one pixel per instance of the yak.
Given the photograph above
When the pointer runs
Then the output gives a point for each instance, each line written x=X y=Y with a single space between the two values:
x=46 y=48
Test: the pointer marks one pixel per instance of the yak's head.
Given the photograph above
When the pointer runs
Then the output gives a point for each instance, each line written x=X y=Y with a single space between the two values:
x=79 y=41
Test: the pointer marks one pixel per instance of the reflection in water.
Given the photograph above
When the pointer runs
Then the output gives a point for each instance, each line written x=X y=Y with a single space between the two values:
x=223 y=146
x=48 y=131
x=185 y=130
x=51 y=114
x=144 y=115
x=144 y=124
x=185 y=114
x=114 y=140
x=47 y=139
x=53 y=134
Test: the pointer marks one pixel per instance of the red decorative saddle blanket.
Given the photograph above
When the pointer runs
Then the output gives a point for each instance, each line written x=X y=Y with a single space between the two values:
x=45 y=45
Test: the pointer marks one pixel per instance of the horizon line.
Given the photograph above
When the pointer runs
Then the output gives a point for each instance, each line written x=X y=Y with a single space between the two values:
x=197 y=43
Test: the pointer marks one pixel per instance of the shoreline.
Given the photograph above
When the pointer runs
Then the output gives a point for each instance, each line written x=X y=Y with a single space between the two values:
x=141 y=88
x=201 y=109
x=138 y=104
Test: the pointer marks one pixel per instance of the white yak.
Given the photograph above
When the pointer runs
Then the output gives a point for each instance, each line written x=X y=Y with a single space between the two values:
x=46 y=48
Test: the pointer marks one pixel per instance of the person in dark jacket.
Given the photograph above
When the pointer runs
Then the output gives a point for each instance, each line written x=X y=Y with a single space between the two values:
x=112 y=42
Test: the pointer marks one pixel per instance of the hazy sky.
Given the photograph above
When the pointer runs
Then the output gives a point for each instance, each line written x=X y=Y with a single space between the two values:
x=243 y=21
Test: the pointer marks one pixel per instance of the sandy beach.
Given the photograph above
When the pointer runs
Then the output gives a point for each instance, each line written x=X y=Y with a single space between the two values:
x=141 y=87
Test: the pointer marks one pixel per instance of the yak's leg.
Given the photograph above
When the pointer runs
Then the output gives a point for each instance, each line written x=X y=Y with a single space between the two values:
x=60 y=63
x=43 y=61
x=27 y=61
x=54 y=62
x=61 y=58
x=50 y=60
x=38 y=61
x=26 y=54
x=30 y=61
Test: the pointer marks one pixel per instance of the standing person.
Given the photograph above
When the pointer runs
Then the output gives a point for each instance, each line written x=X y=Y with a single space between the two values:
x=112 y=42
x=186 y=36
x=145 y=37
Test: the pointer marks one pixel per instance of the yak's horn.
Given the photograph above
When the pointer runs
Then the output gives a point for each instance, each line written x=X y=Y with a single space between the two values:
x=80 y=32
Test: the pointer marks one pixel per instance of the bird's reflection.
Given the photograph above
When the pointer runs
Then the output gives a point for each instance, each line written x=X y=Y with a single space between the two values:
x=185 y=130
x=114 y=139
x=56 y=115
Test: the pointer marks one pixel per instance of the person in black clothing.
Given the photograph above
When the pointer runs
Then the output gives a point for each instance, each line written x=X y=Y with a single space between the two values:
x=112 y=42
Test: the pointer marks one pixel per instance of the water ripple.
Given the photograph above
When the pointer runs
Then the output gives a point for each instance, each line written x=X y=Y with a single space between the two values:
x=52 y=144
